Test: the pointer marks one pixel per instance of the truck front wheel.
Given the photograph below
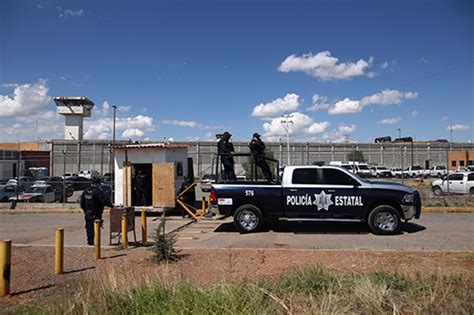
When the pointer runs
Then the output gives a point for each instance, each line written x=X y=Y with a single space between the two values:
x=248 y=218
x=384 y=220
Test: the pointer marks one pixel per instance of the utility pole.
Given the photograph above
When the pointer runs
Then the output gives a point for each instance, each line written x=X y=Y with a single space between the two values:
x=64 y=178
x=401 y=151
x=112 y=171
x=287 y=123
x=451 y=133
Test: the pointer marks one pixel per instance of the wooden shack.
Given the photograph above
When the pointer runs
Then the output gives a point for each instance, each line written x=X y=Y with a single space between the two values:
x=163 y=166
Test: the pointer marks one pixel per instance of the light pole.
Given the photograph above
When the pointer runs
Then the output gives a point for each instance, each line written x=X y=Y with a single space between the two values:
x=451 y=133
x=401 y=151
x=64 y=176
x=287 y=123
x=112 y=162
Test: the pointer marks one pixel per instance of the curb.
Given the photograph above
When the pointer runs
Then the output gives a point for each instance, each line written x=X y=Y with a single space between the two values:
x=447 y=210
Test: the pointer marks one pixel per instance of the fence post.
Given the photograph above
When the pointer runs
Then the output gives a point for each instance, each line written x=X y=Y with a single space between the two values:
x=144 y=228
x=5 y=267
x=97 y=226
x=124 y=231
x=59 y=253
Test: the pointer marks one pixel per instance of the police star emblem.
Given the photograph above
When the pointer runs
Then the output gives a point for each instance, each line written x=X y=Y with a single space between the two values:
x=323 y=201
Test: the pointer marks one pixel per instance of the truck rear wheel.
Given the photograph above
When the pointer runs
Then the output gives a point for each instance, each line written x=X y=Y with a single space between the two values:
x=437 y=191
x=248 y=218
x=384 y=220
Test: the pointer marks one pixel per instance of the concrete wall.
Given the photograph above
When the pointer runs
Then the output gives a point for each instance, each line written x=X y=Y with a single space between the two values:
x=96 y=155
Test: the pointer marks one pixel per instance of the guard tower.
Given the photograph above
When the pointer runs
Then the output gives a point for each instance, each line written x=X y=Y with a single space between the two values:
x=74 y=108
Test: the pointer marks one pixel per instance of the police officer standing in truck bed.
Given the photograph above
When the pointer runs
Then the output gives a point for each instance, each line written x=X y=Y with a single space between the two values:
x=257 y=148
x=225 y=149
x=93 y=202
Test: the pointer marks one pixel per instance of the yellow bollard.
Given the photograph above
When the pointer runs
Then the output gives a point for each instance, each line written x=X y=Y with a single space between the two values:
x=97 y=226
x=209 y=200
x=59 y=254
x=5 y=267
x=203 y=206
x=124 y=231
x=144 y=228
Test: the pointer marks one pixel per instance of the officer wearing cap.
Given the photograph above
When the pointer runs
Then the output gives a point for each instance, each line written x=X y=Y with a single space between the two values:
x=257 y=148
x=93 y=201
x=225 y=149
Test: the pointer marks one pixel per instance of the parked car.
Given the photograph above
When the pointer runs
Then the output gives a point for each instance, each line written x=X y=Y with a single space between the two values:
x=107 y=177
x=206 y=182
x=459 y=183
x=37 y=193
x=25 y=182
x=69 y=175
x=345 y=165
x=7 y=191
x=438 y=171
x=54 y=181
x=414 y=171
x=380 y=171
x=89 y=174
x=78 y=182
x=108 y=191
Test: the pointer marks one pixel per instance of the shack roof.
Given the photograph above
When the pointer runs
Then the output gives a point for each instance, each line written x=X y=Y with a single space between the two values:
x=151 y=146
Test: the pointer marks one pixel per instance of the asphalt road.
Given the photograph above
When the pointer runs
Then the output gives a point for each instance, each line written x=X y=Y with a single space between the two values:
x=434 y=231
x=39 y=229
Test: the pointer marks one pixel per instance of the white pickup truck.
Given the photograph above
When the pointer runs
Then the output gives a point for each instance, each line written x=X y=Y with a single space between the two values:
x=459 y=183
x=438 y=171
x=414 y=171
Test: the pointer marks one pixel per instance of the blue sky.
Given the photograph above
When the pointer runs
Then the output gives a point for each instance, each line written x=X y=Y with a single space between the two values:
x=188 y=70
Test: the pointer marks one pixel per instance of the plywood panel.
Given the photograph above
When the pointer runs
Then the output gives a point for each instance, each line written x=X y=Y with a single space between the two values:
x=127 y=184
x=163 y=185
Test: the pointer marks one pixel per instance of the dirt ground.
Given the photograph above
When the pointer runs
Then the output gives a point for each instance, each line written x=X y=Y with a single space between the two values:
x=33 y=280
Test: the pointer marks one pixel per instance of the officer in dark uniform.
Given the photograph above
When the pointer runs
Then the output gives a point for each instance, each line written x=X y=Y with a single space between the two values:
x=225 y=149
x=140 y=188
x=93 y=202
x=257 y=148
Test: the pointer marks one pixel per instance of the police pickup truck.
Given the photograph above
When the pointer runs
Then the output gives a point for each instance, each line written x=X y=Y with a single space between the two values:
x=318 y=193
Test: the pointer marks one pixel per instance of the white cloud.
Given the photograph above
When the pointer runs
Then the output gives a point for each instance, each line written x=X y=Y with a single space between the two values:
x=346 y=106
x=414 y=113
x=388 y=64
x=277 y=107
x=128 y=127
x=325 y=67
x=181 y=123
x=302 y=124
x=423 y=60
x=104 y=111
x=386 y=97
x=318 y=127
x=70 y=13
x=459 y=127
x=124 y=108
x=319 y=102
x=389 y=121
x=44 y=125
x=444 y=119
x=26 y=100
x=339 y=135
x=132 y=133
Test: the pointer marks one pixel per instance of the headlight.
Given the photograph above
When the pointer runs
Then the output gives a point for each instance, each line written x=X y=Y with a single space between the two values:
x=408 y=198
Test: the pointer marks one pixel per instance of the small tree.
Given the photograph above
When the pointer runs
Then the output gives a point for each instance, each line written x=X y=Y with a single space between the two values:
x=356 y=156
x=164 y=244
x=248 y=164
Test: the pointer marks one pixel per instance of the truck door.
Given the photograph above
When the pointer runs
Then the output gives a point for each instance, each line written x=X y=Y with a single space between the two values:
x=456 y=183
x=299 y=195
x=346 y=198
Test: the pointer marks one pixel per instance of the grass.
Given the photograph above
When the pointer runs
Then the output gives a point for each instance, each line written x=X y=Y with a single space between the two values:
x=313 y=290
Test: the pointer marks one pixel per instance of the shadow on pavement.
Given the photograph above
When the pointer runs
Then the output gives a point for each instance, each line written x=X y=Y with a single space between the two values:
x=33 y=290
x=78 y=270
x=318 y=228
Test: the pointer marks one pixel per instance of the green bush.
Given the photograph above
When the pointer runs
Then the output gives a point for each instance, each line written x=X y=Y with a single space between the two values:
x=164 y=244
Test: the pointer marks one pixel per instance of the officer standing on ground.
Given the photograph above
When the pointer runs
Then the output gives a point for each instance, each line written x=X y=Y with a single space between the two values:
x=257 y=148
x=225 y=149
x=93 y=202
x=140 y=188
